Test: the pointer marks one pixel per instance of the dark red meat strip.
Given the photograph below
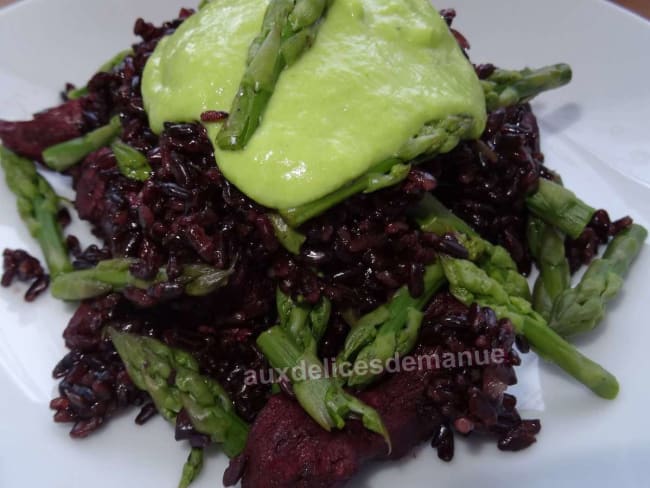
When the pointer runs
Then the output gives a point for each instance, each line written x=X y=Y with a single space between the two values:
x=286 y=448
x=29 y=138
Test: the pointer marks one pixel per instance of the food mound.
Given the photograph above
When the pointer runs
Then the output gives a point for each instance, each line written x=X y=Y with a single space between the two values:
x=317 y=219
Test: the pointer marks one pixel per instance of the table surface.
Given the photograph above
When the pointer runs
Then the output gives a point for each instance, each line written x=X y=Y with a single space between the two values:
x=642 y=7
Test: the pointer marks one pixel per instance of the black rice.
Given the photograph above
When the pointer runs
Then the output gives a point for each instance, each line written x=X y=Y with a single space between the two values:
x=583 y=250
x=472 y=399
x=22 y=266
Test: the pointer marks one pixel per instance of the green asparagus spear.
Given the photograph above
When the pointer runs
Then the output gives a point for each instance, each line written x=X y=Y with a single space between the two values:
x=289 y=28
x=201 y=279
x=299 y=215
x=437 y=137
x=192 y=467
x=364 y=332
x=581 y=309
x=499 y=265
x=379 y=181
x=470 y=284
x=320 y=396
x=211 y=411
x=433 y=216
x=66 y=154
x=107 y=67
x=389 y=330
x=535 y=229
x=505 y=88
x=306 y=325
x=560 y=207
x=106 y=277
x=290 y=239
x=172 y=379
x=624 y=248
x=131 y=162
x=319 y=317
x=38 y=206
x=113 y=275
x=547 y=247
x=292 y=345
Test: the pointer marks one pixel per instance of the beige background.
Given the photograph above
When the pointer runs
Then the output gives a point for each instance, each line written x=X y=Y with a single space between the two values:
x=640 y=6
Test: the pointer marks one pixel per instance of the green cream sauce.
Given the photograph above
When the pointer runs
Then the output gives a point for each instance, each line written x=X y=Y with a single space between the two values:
x=378 y=72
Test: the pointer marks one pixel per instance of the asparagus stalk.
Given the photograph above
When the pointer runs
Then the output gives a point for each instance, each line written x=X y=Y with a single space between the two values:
x=321 y=396
x=192 y=468
x=291 y=346
x=437 y=137
x=379 y=181
x=433 y=216
x=107 y=67
x=319 y=316
x=505 y=88
x=389 y=330
x=289 y=28
x=535 y=228
x=131 y=162
x=66 y=154
x=113 y=275
x=290 y=239
x=306 y=325
x=581 y=309
x=470 y=284
x=385 y=174
x=38 y=206
x=547 y=247
x=172 y=379
x=201 y=279
x=297 y=216
x=560 y=207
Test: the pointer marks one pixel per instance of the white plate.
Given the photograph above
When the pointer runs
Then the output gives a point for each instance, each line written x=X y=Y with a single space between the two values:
x=594 y=132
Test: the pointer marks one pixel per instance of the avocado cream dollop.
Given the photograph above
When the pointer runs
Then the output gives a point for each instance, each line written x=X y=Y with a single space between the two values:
x=377 y=73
